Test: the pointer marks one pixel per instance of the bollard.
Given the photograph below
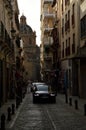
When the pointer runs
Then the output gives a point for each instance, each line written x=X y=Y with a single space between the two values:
x=76 y=104
x=13 y=109
x=66 y=98
x=3 y=122
x=0 y=103
x=17 y=104
x=70 y=101
x=9 y=114
x=85 y=109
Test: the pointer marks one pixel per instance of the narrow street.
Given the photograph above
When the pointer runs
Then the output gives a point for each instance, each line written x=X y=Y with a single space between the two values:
x=59 y=116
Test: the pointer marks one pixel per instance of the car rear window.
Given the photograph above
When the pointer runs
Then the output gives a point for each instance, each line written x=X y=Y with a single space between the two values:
x=42 y=88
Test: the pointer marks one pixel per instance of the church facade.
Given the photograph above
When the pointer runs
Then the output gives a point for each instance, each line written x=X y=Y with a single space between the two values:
x=31 y=52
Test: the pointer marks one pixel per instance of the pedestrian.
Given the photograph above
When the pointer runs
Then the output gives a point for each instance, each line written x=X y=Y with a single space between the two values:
x=29 y=87
x=54 y=82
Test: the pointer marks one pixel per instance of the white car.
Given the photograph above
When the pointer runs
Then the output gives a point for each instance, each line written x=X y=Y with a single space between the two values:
x=34 y=84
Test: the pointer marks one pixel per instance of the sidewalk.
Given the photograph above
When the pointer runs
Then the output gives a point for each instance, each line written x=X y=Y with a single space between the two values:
x=80 y=103
x=4 y=110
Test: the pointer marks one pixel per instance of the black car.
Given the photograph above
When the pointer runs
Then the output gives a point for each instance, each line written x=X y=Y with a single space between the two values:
x=43 y=92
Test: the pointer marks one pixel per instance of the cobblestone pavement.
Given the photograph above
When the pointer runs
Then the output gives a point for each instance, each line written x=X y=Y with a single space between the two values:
x=59 y=116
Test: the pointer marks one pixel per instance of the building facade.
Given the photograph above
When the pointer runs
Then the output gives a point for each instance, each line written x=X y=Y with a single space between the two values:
x=47 y=22
x=82 y=50
x=8 y=27
x=69 y=40
x=31 y=52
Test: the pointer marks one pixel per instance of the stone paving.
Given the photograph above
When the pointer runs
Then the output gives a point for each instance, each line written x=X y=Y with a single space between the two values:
x=59 y=116
x=3 y=110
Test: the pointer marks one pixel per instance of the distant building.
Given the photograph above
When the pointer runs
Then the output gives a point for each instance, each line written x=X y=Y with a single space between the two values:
x=31 y=52
x=47 y=22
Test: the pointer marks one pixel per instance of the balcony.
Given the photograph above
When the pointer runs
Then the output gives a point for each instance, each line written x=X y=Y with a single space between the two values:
x=55 y=36
x=47 y=29
x=48 y=14
x=47 y=1
x=48 y=41
x=47 y=58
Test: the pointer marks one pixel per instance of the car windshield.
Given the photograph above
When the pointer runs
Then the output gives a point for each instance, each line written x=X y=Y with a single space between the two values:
x=42 y=88
x=37 y=83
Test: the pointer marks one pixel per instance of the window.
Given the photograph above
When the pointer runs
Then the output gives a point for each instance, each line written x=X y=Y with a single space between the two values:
x=62 y=22
x=74 y=38
x=73 y=45
x=83 y=27
x=69 y=41
x=65 y=2
x=62 y=26
x=73 y=8
x=68 y=19
x=69 y=46
x=62 y=7
x=63 y=49
x=82 y=0
x=66 y=48
x=1 y=29
x=66 y=22
x=73 y=12
x=68 y=1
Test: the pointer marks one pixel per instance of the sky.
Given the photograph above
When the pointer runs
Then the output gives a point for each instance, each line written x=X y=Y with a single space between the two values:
x=31 y=10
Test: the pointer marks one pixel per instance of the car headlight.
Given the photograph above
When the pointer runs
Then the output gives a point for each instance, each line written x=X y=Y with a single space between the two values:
x=52 y=94
x=36 y=94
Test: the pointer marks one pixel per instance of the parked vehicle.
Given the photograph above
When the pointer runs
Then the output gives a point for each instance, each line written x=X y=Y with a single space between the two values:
x=43 y=92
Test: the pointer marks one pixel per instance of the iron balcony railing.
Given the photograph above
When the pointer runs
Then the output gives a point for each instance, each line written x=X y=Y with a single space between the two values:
x=47 y=1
